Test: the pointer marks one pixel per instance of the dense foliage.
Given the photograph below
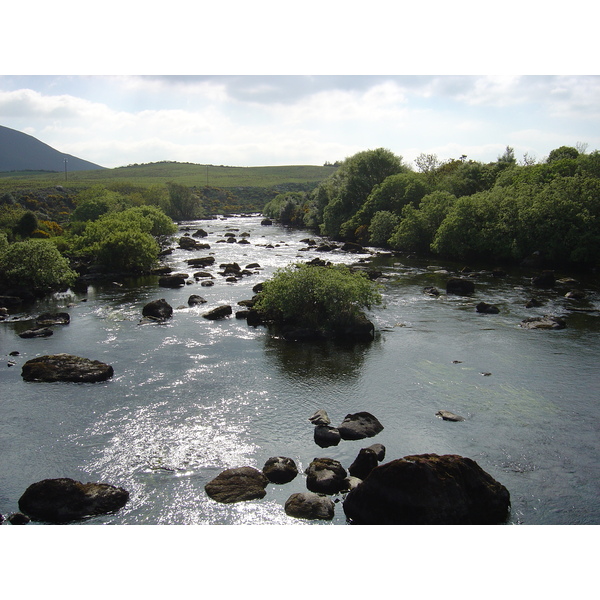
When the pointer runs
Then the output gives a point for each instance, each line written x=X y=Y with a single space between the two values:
x=317 y=296
x=459 y=208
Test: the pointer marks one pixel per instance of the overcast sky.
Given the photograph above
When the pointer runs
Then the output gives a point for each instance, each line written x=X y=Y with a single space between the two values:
x=252 y=119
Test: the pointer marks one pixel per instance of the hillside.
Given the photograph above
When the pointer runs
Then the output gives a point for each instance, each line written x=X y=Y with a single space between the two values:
x=22 y=152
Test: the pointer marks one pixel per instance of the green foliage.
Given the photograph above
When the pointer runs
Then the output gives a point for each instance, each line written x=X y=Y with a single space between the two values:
x=562 y=153
x=316 y=296
x=288 y=208
x=184 y=204
x=26 y=225
x=382 y=225
x=36 y=264
x=130 y=251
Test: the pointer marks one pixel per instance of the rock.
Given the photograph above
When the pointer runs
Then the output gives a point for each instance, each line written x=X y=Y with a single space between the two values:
x=48 y=319
x=460 y=286
x=545 y=322
x=254 y=265
x=431 y=291
x=428 y=489
x=280 y=469
x=62 y=500
x=359 y=329
x=359 y=425
x=545 y=280
x=326 y=436
x=66 y=367
x=188 y=243
x=308 y=505
x=325 y=476
x=352 y=247
x=220 y=312
x=200 y=233
x=266 y=222
x=575 y=295
x=484 y=307
x=320 y=418
x=204 y=261
x=448 y=416
x=352 y=482
x=171 y=281
x=208 y=283
x=36 y=332
x=534 y=260
x=533 y=303
x=10 y=301
x=158 y=309
x=18 y=518
x=194 y=300
x=364 y=463
x=237 y=485
x=379 y=450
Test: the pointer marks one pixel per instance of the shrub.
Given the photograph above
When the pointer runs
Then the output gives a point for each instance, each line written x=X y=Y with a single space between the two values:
x=36 y=264
x=132 y=251
x=317 y=296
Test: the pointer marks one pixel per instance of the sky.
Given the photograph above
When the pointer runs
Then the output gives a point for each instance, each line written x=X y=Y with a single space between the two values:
x=136 y=84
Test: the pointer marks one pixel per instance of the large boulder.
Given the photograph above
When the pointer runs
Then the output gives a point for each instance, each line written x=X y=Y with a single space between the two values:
x=63 y=500
x=326 y=435
x=220 y=312
x=325 y=476
x=158 y=309
x=171 y=281
x=308 y=505
x=237 y=485
x=202 y=261
x=280 y=469
x=66 y=367
x=364 y=463
x=428 y=489
x=359 y=425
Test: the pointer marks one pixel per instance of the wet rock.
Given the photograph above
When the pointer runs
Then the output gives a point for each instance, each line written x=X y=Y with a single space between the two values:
x=364 y=463
x=280 y=469
x=320 y=417
x=359 y=425
x=575 y=295
x=431 y=291
x=65 y=367
x=220 y=312
x=533 y=303
x=545 y=280
x=544 y=322
x=203 y=261
x=194 y=300
x=189 y=243
x=158 y=309
x=379 y=450
x=200 y=233
x=266 y=222
x=352 y=247
x=326 y=436
x=49 y=319
x=237 y=485
x=208 y=283
x=448 y=416
x=10 y=301
x=171 y=281
x=18 y=518
x=489 y=309
x=62 y=500
x=325 y=476
x=37 y=332
x=428 y=489
x=308 y=505
x=460 y=286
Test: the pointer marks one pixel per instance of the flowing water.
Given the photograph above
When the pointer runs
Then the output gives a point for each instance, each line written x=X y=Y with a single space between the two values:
x=192 y=397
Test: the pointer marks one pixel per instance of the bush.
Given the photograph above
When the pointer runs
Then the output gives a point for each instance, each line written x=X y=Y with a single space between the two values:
x=36 y=264
x=316 y=296
x=382 y=225
x=132 y=251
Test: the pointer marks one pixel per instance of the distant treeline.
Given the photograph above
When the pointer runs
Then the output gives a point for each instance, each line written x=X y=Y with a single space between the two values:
x=458 y=208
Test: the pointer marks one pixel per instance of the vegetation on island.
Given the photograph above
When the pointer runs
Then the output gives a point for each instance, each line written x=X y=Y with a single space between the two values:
x=317 y=297
x=501 y=211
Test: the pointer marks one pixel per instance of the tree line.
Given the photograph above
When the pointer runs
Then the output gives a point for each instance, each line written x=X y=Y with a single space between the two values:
x=463 y=209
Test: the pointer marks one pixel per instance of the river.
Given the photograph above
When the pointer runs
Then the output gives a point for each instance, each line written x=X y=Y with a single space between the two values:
x=192 y=397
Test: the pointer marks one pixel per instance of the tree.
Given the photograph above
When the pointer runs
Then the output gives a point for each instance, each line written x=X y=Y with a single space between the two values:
x=562 y=152
x=36 y=264
x=26 y=225
x=131 y=251
x=381 y=227
x=317 y=296
x=184 y=204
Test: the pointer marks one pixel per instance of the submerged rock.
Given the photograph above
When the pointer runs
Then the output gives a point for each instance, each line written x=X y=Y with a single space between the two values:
x=448 y=416
x=428 y=489
x=48 y=319
x=36 y=333
x=359 y=425
x=484 y=307
x=62 y=500
x=545 y=322
x=308 y=505
x=66 y=367
x=280 y=469
x=237 y=485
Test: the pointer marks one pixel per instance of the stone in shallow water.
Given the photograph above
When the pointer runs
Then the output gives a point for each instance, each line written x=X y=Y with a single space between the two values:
x=237 y=485
x=280 y=469
x=448 y=416
x=308 y=505
x=66 y=367
x=359 y=425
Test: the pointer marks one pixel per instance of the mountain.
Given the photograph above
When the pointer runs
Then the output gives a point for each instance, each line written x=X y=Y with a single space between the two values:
x=22 y=152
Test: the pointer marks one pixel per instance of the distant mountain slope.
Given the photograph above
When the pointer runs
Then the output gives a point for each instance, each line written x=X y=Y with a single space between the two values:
x=22 y=152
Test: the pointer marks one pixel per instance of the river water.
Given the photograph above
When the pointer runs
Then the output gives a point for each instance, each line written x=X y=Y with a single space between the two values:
x=192 y=397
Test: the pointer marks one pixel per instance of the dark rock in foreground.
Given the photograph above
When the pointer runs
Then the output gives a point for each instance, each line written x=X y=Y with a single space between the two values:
x=325 y=476
x=545 y=322
x=489 y=309
x=280 y=469
x=308 y=505
x=359 y=425
x=18 y=518
x=220 y=312
x=63 y=500
x=326 y=436
x=237 y=485
x=364 y=463
x=460 y=286
x=158 y=309
x=428 y=489
x=66 y=367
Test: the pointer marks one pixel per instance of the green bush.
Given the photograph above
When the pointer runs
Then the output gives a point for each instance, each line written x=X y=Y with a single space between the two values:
x=317 y=296
x=132 y=251
x=36 y=264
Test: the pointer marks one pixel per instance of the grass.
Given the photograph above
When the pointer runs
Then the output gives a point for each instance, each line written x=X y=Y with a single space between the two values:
x=187 y=174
